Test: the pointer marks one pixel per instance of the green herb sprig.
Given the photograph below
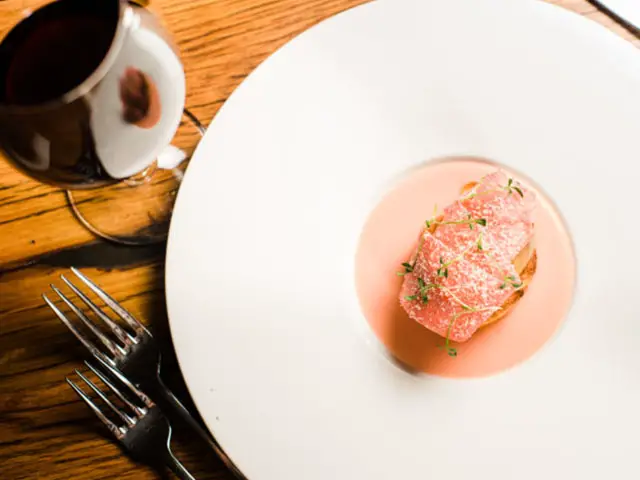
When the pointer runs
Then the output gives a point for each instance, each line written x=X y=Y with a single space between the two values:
x=510 y=280
x=467 y=221
x=443 y=271
x=513 y=188
x=452 y=351
x=510 y=187
x=408 y=268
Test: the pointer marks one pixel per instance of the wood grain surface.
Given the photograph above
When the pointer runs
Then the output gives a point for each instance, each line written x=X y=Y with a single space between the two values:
x=45 y=431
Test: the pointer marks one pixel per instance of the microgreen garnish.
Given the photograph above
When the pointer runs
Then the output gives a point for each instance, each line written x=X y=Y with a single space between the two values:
x=510 y=187
x=432 y=220
x=451 y=351
x=424 y=287
x=408 y=268
x=510 y=280
x=467 y=221
x=443 y=271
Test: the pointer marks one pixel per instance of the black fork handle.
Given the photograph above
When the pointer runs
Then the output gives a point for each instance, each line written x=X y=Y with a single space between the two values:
x=177 y=405
x=176 y=467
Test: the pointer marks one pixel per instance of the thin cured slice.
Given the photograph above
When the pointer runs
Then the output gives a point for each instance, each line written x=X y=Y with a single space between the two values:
x=464 y=271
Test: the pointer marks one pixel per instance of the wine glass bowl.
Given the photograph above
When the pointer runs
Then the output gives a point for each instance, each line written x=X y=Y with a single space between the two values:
x=91 y=96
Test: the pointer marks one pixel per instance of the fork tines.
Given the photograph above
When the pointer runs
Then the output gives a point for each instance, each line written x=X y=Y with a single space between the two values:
x=117 y=349
x=131 y=418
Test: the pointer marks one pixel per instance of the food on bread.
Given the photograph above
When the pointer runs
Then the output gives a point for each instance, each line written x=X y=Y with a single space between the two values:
x=472 y=263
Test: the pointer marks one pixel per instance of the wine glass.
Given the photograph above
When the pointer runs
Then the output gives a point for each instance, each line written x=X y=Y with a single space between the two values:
x=92 y=96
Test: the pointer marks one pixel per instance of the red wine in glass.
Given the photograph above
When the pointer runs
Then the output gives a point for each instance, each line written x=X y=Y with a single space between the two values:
x=49 y=54
x=91 y=93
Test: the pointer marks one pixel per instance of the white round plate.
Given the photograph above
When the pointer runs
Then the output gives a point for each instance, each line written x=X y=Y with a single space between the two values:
x=274 y=348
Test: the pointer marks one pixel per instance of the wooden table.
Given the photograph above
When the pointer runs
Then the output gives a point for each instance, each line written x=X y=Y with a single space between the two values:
x=45 y=431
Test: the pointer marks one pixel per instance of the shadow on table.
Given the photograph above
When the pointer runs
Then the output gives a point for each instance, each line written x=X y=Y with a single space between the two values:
x=37 y=351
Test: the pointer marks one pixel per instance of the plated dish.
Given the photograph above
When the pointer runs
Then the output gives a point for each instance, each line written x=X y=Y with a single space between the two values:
x=472 y=288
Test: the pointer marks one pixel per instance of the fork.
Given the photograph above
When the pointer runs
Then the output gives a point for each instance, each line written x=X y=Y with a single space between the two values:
x=144 y=432
x=137 y=356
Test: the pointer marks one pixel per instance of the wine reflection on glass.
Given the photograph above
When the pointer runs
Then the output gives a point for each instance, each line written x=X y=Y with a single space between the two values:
x=140 y=100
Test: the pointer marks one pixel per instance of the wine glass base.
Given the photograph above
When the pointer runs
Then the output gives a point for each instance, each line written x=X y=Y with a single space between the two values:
x=137 y=211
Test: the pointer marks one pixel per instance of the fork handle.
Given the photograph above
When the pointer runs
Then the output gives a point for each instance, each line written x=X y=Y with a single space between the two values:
x=176 y=467
x=195 y=426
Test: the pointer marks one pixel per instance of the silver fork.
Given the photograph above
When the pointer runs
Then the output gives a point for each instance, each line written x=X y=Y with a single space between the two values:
x=136 y=355
x=144 y=432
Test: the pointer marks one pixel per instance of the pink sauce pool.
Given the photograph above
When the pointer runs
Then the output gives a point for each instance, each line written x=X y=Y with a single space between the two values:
x=389 y=238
